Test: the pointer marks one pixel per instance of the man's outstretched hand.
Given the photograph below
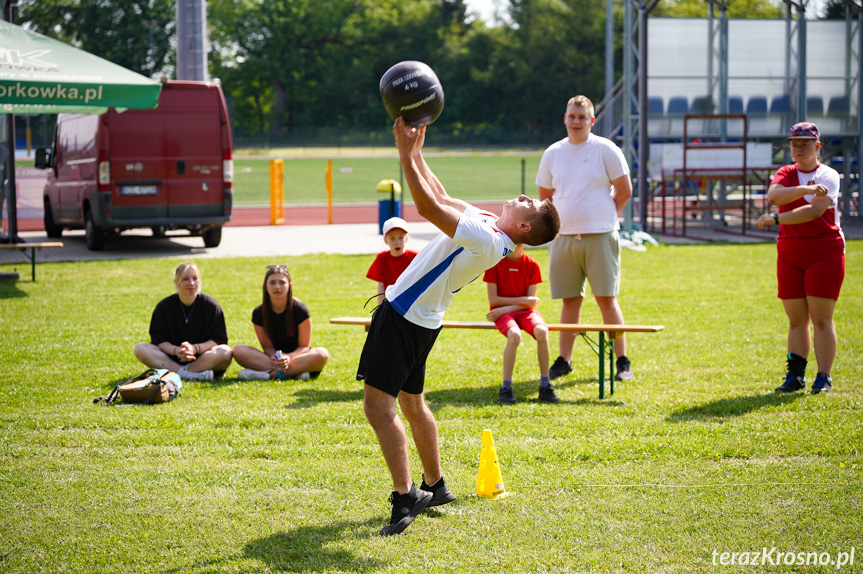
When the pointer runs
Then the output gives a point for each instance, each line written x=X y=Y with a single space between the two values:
x=409 y=140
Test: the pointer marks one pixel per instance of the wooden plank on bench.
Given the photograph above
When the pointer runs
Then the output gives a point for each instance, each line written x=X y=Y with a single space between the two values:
x=612 y=330
x=32 y=247
x=577 y=327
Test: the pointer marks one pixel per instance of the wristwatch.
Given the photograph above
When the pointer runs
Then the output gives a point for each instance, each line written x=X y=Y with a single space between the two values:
x=776 y=218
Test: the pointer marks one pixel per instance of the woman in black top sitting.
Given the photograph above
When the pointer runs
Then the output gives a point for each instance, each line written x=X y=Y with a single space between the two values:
x=187 y=331
x=284 y=329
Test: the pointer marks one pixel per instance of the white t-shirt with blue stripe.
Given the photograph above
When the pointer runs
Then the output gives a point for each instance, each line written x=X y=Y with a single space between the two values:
x=424 y=291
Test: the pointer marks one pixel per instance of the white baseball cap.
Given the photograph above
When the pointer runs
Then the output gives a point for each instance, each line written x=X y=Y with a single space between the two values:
x=395 y=223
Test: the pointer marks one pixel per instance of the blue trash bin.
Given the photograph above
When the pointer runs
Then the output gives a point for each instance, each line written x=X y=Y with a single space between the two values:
x=388 y=208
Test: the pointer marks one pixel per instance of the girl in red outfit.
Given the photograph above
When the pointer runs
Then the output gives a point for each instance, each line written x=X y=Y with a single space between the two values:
x=811 y=263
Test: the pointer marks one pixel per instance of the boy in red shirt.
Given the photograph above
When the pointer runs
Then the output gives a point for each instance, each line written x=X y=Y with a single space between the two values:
x=512 y=296
x=389 y=264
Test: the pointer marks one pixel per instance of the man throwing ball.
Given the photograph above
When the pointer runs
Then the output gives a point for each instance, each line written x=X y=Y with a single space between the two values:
x=404 y=327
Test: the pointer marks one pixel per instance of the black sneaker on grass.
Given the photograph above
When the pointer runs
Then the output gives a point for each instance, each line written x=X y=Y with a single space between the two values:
x=506 y=396
x=406 y=507
x=624 y=369
x=822 y=384
x=560 y=368
x=792 y=383
x=440 y=493
x=546 y=395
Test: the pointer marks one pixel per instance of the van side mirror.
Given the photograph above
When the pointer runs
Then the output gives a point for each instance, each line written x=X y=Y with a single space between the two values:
x=42 y=159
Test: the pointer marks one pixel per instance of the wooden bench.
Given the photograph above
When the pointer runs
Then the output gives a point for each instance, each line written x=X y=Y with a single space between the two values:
x=602 y=350
x=23 y=247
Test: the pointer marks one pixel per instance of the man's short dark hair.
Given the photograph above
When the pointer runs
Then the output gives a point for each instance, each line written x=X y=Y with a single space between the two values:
x=544 y=226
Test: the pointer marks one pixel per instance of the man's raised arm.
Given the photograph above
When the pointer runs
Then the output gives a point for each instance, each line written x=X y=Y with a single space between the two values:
x=430 y=197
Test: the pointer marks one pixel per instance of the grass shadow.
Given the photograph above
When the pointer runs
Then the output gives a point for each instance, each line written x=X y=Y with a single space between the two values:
x=525 y=391
x=9 y=290
x=731 y=407
x=308 y=398
x=311 y=549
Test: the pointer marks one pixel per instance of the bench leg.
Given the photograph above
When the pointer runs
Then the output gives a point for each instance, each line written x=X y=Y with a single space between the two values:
x=32 y=263
x=601 y=365
x=611 y=364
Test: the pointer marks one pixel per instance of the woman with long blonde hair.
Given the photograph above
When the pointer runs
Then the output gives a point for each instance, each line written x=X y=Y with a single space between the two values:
x=187 y=331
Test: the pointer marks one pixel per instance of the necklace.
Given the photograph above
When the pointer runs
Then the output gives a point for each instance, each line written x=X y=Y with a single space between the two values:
x=183 y=309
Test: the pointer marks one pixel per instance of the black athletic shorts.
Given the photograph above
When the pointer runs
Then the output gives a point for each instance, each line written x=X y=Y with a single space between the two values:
x=395 y=353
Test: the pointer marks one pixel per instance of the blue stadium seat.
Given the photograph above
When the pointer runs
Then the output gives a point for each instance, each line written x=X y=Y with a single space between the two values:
x=814 y=106
x=756 y=106
x=655 y=106
x=678 y=105
x=702 y=105
x=838 y=106
x=735 y=105
x=781 y=104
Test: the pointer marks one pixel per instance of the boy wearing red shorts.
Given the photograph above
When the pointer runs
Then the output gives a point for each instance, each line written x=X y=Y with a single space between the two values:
x=512 y=297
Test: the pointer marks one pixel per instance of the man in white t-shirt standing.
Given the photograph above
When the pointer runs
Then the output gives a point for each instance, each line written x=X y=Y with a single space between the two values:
x=587 y=178
x=404 y=327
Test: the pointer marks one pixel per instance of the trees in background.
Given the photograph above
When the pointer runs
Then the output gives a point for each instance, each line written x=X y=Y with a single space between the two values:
x=300 y=64
x=135 y=34
x=291 y=66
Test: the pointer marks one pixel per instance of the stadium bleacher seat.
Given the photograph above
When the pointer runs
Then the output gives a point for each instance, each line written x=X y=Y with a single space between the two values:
x=657 y=124
x=837 y=119
x=678 y=105
x=756 y=111
x=756 y=106
x=814 y=106
x=838 y=106
x=735 y=105
x=780 y=104
x=703 y=105
x=780 y=118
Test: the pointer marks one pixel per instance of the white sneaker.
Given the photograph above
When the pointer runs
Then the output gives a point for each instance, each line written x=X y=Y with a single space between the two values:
x=253 y=375
x=303 y=377
x=188 y=375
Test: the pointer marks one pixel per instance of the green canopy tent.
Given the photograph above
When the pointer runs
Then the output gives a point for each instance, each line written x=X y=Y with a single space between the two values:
x=40 y=75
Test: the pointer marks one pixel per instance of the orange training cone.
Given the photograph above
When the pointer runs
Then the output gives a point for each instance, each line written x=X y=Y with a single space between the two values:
x=489 y=483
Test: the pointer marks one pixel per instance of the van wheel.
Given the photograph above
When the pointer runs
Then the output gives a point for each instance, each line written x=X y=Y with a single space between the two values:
x=212 y=237
x=95 y=236
x=52 y=230
x=159 y=230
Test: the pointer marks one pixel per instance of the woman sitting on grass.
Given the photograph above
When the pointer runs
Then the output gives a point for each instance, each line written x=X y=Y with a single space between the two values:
x=187 y=331
x=284 y=329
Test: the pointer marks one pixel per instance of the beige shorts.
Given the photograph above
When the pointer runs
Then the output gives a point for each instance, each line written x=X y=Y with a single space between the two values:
x=594 y=257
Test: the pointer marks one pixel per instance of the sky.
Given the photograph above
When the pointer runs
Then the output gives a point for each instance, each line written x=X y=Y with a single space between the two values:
x=485 y=8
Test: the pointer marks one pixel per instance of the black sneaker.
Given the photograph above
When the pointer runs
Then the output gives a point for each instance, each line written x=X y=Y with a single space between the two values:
x=406 y=507
x=792 y=383
x=624 y=369
x=546 y=395
x=822 y=384
x=506 y=396
x=440 y=493
x=559 y=368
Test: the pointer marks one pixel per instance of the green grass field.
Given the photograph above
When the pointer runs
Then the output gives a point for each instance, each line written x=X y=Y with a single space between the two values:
x=473 y=177
x=695 y=458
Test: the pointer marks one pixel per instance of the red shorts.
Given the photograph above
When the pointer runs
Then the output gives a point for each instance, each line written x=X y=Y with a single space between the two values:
x=527 y=320
x=810 y=267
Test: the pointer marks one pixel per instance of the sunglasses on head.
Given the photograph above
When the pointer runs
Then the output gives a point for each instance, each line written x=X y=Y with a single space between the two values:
x=278 y=267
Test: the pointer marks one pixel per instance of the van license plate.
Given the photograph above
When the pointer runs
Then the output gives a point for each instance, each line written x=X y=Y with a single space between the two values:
x=138 y=190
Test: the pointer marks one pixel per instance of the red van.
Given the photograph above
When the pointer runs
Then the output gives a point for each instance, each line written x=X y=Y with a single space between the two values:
x=167 y=168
